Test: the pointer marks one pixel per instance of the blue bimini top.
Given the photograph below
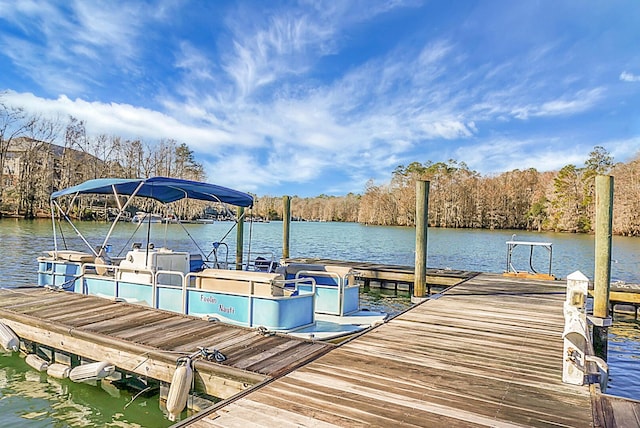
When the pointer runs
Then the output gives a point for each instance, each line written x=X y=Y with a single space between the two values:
x=162 y=189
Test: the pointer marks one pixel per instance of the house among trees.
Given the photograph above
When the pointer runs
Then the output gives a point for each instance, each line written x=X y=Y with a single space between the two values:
x=31 y=170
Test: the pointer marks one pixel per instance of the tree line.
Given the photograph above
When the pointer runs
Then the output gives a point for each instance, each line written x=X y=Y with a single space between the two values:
x=459 y=197
x=33 y=166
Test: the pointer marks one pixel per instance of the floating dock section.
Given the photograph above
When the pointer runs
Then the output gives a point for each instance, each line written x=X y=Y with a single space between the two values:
x=148 y=342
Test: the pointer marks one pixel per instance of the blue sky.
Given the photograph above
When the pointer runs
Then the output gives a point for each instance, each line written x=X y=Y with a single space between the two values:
x=310 y=97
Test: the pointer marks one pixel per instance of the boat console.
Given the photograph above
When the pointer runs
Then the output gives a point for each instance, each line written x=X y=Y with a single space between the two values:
x=139 y=265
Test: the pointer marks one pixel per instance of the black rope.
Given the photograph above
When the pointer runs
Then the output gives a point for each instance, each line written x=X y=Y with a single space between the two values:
x=64 y=241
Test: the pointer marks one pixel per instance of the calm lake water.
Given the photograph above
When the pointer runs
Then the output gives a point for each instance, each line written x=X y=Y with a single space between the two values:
x=31 y=399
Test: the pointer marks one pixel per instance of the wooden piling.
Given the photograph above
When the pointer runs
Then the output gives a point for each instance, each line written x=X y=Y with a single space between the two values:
x=422 y=209
x=239 y=238
x=602 y=280
x=286 y=224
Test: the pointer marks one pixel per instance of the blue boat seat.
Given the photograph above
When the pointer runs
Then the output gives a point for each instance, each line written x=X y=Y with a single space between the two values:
x=328 y=277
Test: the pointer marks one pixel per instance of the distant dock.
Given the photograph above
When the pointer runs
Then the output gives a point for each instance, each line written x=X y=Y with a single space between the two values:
x=392 y=276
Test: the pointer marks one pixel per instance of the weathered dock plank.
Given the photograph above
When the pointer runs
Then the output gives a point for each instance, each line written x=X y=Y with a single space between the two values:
x=148 y=341
x=487 y=352
x=616 y=412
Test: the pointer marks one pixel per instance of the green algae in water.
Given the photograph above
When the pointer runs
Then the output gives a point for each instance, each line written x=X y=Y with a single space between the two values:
x=32 y=399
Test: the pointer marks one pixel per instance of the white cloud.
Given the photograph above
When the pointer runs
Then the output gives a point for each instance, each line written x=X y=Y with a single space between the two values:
x=622 y=150
x=283 y=43
x=505 y=154
x=65 y=48
x=120 y=119
x=579 y=102
x=626 y=76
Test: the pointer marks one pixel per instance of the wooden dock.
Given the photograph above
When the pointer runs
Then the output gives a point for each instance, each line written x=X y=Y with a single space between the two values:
x=148 y=341
x=402 y=278
x=486 y=353
x=385 y=273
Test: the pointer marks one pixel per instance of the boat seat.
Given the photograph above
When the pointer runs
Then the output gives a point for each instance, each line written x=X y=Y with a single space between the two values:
x=72 y=256
x=289 y=271
x=238 y=281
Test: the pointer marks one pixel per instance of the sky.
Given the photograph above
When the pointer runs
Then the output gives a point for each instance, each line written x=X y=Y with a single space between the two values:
x=318 y=97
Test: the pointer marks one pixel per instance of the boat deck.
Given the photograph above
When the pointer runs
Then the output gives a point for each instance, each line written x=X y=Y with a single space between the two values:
x=148 y=341
x=487 y=352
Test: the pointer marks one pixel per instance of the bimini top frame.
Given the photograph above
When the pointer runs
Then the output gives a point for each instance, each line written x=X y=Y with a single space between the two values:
x=162 y=189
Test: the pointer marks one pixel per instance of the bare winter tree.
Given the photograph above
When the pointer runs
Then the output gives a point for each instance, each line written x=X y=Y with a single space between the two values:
x=36 y=164
x=13 y=123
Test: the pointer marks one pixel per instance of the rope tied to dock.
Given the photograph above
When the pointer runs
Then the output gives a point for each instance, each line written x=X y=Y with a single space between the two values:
x=62 y=287
x=264 y=331
x=212 y=355
x=202 y=352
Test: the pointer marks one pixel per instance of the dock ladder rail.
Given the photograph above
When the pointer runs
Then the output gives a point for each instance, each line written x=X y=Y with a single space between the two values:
x=511 y=245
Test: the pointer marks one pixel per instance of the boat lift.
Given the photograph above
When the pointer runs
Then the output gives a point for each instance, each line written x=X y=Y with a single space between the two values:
x=534 y=274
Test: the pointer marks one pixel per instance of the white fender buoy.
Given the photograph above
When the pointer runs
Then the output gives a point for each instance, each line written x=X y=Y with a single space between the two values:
x=179 y=389
x=59 y=371
x=8 y=339
x=92 y=371
x=36 y=362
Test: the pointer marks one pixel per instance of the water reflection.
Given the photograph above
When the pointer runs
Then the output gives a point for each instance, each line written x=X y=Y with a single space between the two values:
x=624 y=356
x=54 y=402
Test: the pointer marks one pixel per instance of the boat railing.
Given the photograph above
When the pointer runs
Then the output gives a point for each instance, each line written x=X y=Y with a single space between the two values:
x=288 y=287
x=180 y=284
x=148 y=277
x=115 y=273
x=294 y=283
x=168 y=279
x=261 y=262
x=342 y=282
x=69 y=278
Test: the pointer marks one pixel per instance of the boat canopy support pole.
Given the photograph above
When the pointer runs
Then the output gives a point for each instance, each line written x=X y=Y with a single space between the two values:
x=121 y=209
x=187 y=231
x=240 y=238
x=53 y=224
x=73 y=226
x=286 y=225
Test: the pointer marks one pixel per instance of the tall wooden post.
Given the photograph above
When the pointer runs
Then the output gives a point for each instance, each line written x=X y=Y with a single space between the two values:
x=286 y=224
x=239 y=238
x=422 y=210
x=602 y=280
